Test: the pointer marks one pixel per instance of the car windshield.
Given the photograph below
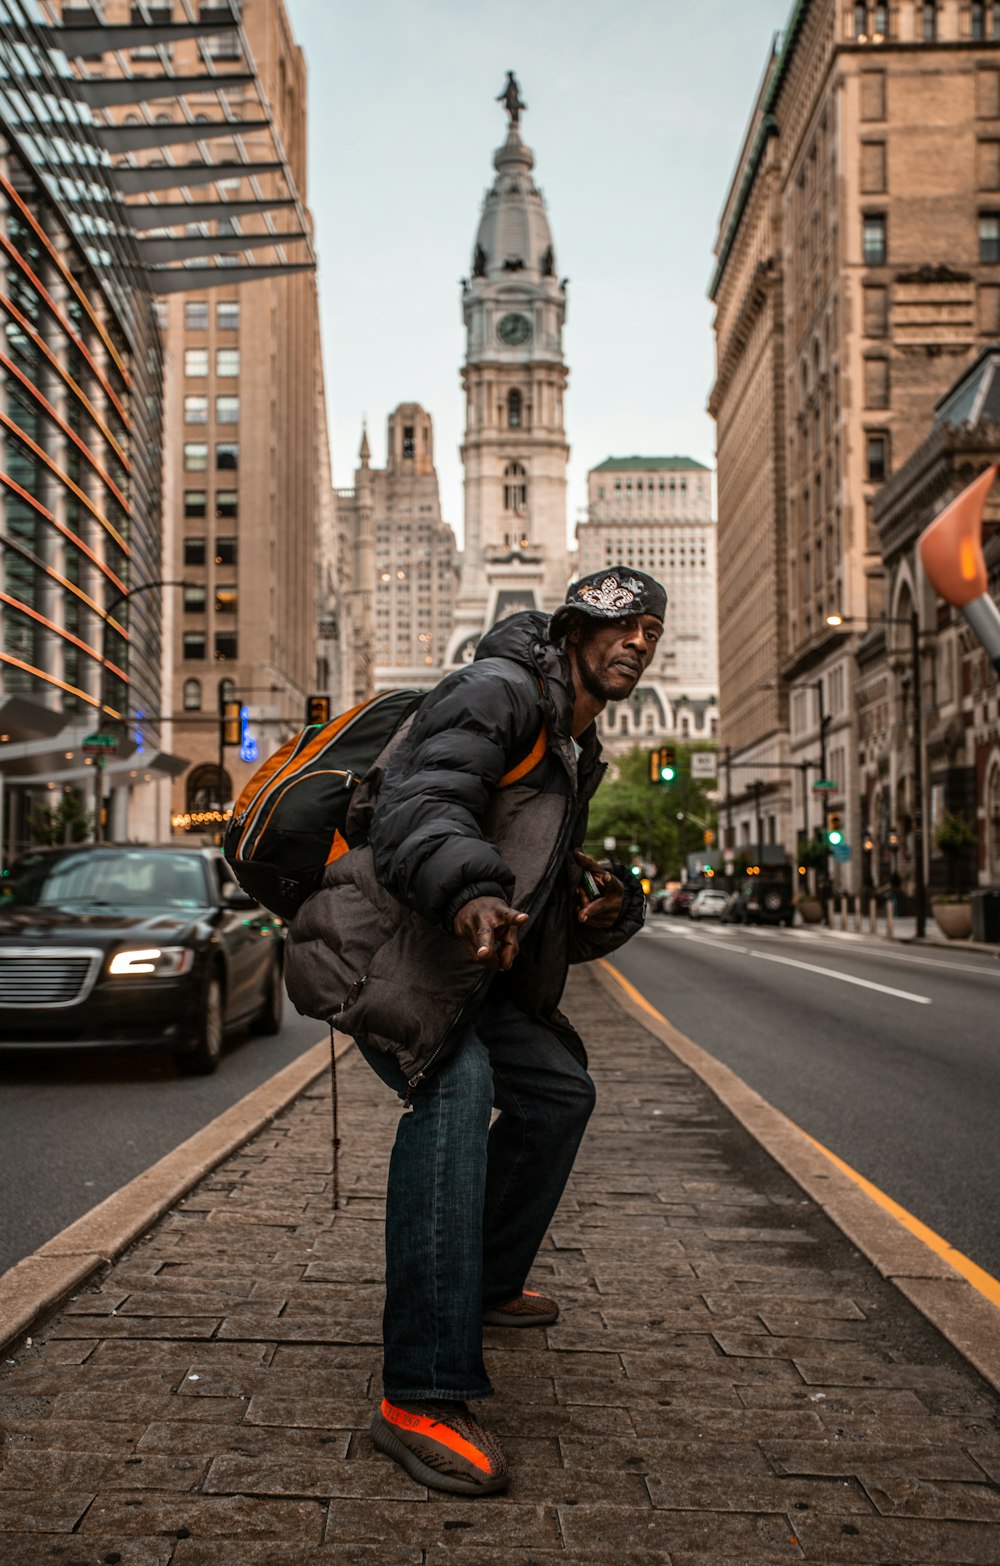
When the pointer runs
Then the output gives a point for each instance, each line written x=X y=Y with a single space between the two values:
x=110 y=877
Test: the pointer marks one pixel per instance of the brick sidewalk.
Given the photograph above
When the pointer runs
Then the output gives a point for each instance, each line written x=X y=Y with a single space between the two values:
x=729 y=1382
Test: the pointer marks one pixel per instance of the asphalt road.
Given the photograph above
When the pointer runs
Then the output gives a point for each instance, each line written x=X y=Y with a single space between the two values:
x=76 y=1126
x=888 y=1056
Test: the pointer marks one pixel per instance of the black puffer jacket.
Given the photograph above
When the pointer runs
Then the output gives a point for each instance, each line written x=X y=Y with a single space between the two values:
x=467 y=803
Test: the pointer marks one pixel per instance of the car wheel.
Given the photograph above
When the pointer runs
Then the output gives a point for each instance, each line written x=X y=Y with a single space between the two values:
x=268 y=1020
x=202 y=1060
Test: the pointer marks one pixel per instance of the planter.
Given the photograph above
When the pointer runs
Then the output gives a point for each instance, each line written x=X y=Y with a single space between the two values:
x=810 y=910
x=953 y=920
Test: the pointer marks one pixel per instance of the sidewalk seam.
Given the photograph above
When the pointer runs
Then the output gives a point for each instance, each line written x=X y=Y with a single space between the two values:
x=938 y=1292
x=41 y=1282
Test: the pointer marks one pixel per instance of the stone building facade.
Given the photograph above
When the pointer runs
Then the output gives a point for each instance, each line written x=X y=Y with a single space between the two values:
x=394 y=516
x=959 y=736
x=856 y=277
x=656 y=513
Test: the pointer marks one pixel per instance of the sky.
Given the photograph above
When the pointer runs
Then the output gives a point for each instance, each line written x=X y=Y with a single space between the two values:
x=635 y=112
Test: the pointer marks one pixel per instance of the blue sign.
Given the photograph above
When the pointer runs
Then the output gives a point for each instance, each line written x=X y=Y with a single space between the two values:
x=841 y=851
x=248 y=745
x=139 y=745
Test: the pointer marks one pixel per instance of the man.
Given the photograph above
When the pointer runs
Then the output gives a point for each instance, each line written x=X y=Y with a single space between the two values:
x=443 y=946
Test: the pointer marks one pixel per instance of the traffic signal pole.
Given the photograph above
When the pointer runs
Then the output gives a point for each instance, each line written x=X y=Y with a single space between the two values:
x=919 y=875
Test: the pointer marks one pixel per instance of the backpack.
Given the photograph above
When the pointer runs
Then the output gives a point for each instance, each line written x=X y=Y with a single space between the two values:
x=290 y=821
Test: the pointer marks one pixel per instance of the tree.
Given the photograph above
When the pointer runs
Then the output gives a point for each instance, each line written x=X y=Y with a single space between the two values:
x=955 y=838
x=67 y=822
x=631 y=809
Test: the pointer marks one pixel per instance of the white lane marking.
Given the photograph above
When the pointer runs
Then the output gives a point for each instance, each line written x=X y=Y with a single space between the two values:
x=846 y=978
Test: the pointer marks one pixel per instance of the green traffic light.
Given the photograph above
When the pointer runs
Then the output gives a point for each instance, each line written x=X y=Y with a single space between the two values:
x=667 y=774
x=833 y=838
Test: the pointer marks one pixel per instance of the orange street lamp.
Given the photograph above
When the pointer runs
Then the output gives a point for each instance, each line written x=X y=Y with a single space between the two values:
x=951 y=551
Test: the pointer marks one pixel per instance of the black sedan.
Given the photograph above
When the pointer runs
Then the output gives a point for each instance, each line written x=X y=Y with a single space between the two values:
x=108 y=944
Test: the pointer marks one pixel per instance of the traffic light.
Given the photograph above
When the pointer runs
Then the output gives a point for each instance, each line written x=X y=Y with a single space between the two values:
x=663 y=765
x=317 y=710
x=834 y=833
x=232 y=729
x=708 y=837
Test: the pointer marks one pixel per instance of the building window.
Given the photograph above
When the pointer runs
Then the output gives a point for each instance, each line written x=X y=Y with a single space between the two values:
x=989 y=236
x=195 y=410
x=226 y=551
x=409 y=445
x=873 y=238
x=873 y=168
x=227 y=361
x=515 y=488
x=195 y=362
x=227 y=410
x=196 y=319
x=977 y=21
x=227 y=455
x=514 y=410
x=225 y=646
x=194 y=646
x=195 y=456
x=226 y=503
x=880 y=19
x=225 y=599
x=227 y=691
x=876 y=311
x=195 y=503
x=192 y=696
x=876 y=457
x=227 y=315
x=861 y=19
x=876 y=383
x=194 y=598
x=929 y=21
x=194 y=551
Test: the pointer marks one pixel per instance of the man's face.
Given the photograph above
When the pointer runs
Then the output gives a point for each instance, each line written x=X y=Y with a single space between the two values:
x=609 y=657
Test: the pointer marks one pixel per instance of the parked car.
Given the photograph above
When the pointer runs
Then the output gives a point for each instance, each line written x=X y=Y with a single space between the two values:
x=131 y=944
x=709 y=904
x=681 y=899
x=659 y=903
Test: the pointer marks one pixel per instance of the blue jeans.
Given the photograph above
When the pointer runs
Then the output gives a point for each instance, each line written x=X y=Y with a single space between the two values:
x=468 y=1204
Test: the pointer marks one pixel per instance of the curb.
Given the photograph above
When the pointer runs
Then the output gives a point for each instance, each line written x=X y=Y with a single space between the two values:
x=40 y=1282
x=950 y=1303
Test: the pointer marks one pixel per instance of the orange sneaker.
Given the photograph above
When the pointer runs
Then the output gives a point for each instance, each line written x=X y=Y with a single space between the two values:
x=525 y=1310
x=441 y=1445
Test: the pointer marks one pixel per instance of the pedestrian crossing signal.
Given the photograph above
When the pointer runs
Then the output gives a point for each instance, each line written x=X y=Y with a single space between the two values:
x=663 y=765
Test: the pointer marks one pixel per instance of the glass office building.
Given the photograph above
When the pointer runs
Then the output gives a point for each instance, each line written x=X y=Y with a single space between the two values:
x=91 y=233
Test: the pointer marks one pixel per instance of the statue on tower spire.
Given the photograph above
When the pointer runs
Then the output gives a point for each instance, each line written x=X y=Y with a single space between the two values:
x=511 y=99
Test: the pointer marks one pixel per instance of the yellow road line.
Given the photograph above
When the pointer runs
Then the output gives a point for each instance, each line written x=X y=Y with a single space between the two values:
x=983 y=1282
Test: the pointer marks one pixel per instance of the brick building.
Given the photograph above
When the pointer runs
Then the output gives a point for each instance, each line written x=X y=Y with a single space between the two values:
x=856 y=277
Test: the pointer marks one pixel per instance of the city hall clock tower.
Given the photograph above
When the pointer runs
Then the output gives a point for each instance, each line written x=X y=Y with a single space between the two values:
x=514 y=378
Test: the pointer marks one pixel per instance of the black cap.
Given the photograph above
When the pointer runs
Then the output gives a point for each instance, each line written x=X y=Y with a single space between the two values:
x=611 y=594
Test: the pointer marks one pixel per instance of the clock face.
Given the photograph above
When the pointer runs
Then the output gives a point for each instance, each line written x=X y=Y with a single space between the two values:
x=514 y=330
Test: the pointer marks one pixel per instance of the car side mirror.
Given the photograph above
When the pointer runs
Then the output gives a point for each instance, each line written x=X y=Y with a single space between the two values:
x=234 y=896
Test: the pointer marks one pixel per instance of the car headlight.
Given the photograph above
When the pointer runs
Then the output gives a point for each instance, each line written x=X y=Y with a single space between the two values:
x=161 y=962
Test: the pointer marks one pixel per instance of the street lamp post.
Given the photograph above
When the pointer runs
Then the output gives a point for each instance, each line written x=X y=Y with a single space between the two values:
x=120 y=598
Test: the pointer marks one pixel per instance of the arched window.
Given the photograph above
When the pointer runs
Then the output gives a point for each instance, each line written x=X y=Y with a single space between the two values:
x=515 y=487
x=227 y=692
x=930 y=21
x=208 y=788
x=192 y=695
x=514 y=410
x=861 y=19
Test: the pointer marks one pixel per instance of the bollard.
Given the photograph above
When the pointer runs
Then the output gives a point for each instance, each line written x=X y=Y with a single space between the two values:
x=889 y=926
x=843 y=913
x=873 y=916
x=857 y=913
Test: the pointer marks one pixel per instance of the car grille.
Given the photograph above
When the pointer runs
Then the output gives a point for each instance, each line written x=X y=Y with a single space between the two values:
x=33 y=977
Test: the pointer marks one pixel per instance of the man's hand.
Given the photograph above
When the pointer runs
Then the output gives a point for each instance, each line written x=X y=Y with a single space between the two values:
x=602 y=912
x=488 y=929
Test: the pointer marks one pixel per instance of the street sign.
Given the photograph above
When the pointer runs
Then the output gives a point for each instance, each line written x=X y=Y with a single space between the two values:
x=841 y=851
x=104 y=742
x=704 y=764
x=826 y=783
